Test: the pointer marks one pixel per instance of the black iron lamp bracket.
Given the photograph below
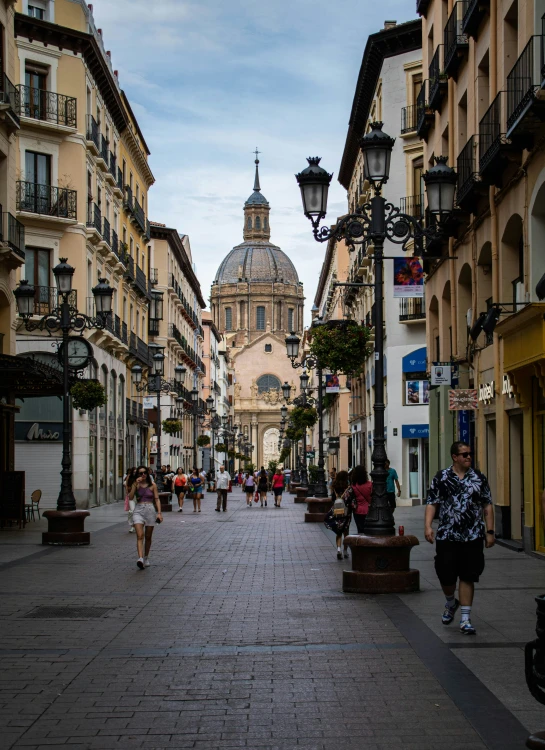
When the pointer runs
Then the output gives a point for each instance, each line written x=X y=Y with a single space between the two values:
x=66 y=320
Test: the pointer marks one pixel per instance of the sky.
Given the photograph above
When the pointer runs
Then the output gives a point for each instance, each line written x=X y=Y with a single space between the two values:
x=212 y=79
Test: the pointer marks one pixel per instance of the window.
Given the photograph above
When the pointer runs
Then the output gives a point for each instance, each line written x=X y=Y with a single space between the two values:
x=290 y=320
x=228 y=319
x=257 y=222
x=249 y=222
x=35 y=101
x=37 y=270
x=267 y=383
x=265 y=223
x=37 y=10
x=268 y=348
x=260 y=318
x=37 y=168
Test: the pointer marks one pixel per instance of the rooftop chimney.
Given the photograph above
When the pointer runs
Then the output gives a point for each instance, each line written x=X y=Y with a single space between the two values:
x=389 y=24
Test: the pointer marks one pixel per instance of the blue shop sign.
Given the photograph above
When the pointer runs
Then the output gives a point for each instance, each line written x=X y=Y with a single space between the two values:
x=415 y=431
x=415 y=361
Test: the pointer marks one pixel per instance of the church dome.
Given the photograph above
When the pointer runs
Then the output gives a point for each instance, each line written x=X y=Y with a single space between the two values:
x=256 y=261
x=256 y=199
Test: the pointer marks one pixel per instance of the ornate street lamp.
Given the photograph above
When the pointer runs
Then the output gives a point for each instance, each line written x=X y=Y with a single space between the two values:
x=314 y=182
x=66 y=524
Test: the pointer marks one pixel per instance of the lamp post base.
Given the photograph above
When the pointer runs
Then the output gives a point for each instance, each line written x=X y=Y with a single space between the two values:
x=536 y=741
x=380 y=565
x=317 y=509
x=292 y=489
x=300 y=495
x=66 y=528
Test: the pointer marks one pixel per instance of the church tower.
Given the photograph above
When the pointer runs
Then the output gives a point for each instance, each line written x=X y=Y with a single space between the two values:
x=256 y=212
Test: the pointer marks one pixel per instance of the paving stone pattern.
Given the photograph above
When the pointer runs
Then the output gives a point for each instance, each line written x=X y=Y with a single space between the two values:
x=239 y=636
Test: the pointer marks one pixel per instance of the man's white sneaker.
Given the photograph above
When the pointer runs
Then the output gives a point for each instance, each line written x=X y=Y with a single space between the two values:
x=146 y=562
x=140 y=563
x=131 y=529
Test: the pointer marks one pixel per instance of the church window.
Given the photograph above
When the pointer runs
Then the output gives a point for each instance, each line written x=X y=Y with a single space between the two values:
x=228 y=319
x=267 y=383
x=290 y=319
x=257 y=222
x=249 y=222
x=268 y=348
x=260 y=318
x=265 y=223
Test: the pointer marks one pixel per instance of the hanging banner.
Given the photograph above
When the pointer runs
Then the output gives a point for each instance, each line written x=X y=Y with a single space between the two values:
x=408 y=278
x=463 y=398
x=332 y=384
x=149 y=402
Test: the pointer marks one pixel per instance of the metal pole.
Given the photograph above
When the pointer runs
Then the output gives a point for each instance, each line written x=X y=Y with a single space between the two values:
x=195 y=436
x=304 y=473
x=380 y=520
x=159 y=472
x=321 y=485
x=66 y=500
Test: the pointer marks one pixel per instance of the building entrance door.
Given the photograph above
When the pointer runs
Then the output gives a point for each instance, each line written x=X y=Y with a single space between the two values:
x=516 y=475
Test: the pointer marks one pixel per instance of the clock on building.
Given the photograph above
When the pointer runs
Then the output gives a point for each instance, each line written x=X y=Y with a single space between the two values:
x=80 y=351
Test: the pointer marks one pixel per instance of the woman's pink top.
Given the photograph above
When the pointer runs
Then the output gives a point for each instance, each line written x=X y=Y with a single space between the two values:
x=145 y=494
x=278 y=480
x=363 y=497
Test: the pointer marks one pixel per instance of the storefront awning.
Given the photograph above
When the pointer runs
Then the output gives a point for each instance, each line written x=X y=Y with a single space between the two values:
x=415 y=431
x=24 y=376
x=415 y=361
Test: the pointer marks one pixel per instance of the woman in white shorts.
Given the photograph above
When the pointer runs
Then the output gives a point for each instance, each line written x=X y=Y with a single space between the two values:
x=146 y=512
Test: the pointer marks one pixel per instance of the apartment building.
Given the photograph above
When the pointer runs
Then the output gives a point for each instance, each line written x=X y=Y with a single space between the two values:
x=388 y=85
x=180 y=335
x=482 y=106
x=82 y=193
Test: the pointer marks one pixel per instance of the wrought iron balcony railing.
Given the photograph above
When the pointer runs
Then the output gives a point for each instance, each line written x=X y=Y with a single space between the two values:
x=46 y=200
x=128 y=202
x=139 y=216
x=93 y=134
x=490 y=133
x=106 y=235
x=112 y=165
x=468 y=172
x=424 y=115
x=94 y=217
x=104 y=149
x=115 y=243
x=437 y=79
x=46 y=299
x=456 y=40
x=412 y=308
x=524 y=80
x=140 y=281
x=12 y=232
x=408 y=119
x=413 y=205
x=476 y=10
x=119 y=179
x=47 y=106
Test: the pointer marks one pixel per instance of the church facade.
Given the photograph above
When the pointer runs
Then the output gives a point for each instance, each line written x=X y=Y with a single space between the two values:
x=256 y=300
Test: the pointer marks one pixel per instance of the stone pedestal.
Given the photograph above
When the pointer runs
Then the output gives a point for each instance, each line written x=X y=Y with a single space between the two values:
x=166 y=502
x=317 y=509
x=301 y=495
x=292 y=489
x=380 y=565
x=66 y=527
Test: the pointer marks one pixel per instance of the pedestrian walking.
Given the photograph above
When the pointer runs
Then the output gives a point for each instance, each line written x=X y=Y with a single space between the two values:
x=263 y=486
x=278 y=486
x=339 y=517
x=202 y=474
x=464 y=498
x=222 y=487
x=360 y=494
x=287 y=478
x=180 y=487
x=330 y=482
x=196 y=487
x=146 y=513
x=249 y=488
x=241 y=480
x=392 y=484
x=128 y=481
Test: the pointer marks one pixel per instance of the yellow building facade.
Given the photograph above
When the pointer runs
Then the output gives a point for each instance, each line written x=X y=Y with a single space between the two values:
x=82 y=181
x=481 y=105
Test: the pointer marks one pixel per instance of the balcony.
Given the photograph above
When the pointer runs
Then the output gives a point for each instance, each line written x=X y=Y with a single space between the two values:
x=128 y=204
x=140 y=282
x=139 y=217
x=128 y=261
x=425 y=116
x=111 y=175
x=94 y=221
x=525 y=102
x=408 y=119
x=413 y=205
x=494 y=147
x=139 y=349
x=470 y=187
x=438 y=83
x=124 y=333
x=153 y=329
x=12 y=241
x=46 y=299
x=456 y=41
x=104 y=154
x=9 y=105
x=106 y=232
x=118 y=187
x=154 y=276
x=412 y=310
x=115 y=243
x=47 y=107
x=475 y=13
x=46 y=200
x=93 y=135
x=422 y=7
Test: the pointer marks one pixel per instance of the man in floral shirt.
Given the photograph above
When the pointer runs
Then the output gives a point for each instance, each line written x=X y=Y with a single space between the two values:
x=464 y=500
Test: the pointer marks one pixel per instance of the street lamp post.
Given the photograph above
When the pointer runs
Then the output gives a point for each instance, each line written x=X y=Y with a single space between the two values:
x=373 y=223
x=156 y=384
x=304 y=400
x=66 y=524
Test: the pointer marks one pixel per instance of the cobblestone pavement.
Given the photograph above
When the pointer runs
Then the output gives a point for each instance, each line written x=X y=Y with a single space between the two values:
x=239 y=636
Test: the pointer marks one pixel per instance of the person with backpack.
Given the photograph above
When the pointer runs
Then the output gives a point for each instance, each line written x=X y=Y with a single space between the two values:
x=339 y=517
x=359 y=496
x=466 y=525
x=180 y=487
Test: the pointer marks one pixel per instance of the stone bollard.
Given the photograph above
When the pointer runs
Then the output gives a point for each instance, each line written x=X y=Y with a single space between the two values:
x=292 y=489
x=380 y=565
x=317 y=509
x=66 y=528
x=534 y=669
x=166 y=502
x=301 y=496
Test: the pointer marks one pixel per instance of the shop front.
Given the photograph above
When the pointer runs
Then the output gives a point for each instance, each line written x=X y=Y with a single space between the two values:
x=415 y=439
x=522 y=390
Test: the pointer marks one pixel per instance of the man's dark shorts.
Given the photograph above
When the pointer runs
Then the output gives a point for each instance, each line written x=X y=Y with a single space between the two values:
x=463 y=560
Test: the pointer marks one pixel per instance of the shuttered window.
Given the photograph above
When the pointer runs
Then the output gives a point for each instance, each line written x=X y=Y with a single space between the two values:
x=260 y=318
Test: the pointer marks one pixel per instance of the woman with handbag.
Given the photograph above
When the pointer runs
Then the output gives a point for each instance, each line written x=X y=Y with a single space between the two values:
x=360 y=496
x=196 y=487
x=128 y=481
x=339 y=517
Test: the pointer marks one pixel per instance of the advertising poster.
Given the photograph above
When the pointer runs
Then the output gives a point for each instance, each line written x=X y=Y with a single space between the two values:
x=417 y=392
x=332 y=384
x=408 y=278
x=463 y=398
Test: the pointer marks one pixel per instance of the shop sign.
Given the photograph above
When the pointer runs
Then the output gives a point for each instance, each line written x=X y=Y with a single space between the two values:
x=153 y=444
x=149 y=402
x=507 y=388
x=38 y=432
x=415 y=431
x=463 y=398
x=487 y=392
x=441 y=373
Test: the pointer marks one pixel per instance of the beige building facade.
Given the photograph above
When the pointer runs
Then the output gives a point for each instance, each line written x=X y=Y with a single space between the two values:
x=256 y=300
